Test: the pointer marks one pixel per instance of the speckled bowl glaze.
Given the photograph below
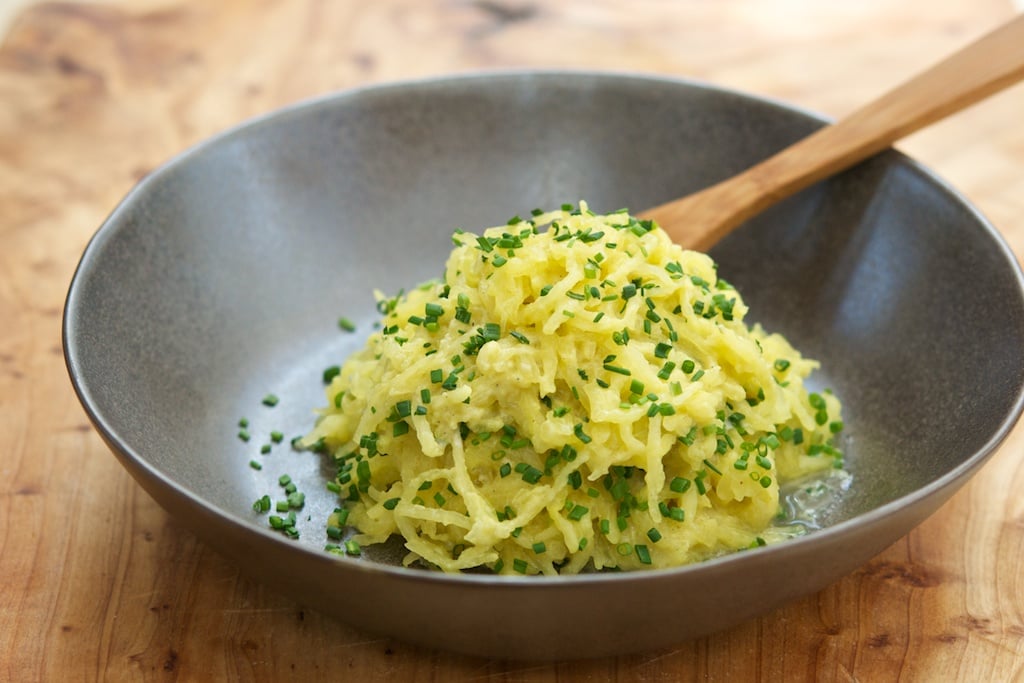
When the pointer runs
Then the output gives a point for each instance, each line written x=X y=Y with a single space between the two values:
x=221 y=276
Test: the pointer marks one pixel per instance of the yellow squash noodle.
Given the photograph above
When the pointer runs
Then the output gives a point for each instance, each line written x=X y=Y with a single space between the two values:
x=576 y=393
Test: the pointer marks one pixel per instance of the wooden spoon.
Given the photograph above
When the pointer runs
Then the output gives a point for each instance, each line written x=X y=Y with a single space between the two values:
x=984 y=67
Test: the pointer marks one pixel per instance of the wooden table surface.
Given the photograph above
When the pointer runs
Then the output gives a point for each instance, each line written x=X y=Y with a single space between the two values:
x=97 y=582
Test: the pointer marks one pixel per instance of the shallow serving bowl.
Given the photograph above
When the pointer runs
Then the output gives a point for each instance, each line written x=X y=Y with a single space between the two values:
x=221 y=277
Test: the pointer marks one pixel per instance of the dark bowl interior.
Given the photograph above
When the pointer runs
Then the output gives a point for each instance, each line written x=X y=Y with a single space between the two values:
x=221 y=276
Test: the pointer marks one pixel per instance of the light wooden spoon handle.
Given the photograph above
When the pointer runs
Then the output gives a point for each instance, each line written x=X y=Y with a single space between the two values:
x=982 y=68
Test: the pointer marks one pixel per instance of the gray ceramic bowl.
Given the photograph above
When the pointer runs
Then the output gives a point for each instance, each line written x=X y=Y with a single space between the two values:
x=220 y=278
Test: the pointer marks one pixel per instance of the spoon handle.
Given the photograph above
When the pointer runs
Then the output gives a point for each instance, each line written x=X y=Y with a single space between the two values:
x=984 y=67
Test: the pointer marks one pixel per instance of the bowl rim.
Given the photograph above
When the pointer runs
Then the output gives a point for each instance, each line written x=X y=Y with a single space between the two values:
x=141 y=466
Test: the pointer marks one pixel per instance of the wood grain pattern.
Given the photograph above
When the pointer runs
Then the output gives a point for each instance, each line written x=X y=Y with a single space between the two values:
x=98 y=583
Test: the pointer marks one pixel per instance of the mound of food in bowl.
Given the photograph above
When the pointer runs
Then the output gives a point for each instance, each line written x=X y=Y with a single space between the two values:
x=576 y=393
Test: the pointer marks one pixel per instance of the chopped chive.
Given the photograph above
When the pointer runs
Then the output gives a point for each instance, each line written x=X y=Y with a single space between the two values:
x=531 y=475
x=578 y=512
x=666 y=370
x=642 y=554
x=679 y=484
x=699 y=482
x=363 y=470
x=270 y=400
x=450 y=382
x=578 y=431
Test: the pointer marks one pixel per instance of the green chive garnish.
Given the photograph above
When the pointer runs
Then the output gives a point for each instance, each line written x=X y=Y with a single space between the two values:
x=679 y=485
x=578 y=512
x=643 y=554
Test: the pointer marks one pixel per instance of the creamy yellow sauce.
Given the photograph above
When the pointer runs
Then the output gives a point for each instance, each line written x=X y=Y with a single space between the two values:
x=577 y=392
